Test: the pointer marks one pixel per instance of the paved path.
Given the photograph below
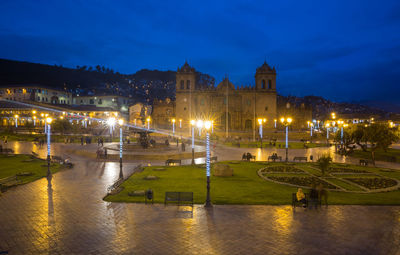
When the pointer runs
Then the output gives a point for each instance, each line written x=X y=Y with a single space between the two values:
x=70 y=217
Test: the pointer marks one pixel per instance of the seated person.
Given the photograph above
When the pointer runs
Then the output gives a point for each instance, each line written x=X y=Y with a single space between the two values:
x=244 y=157
x=301 y=197
x=249 y=156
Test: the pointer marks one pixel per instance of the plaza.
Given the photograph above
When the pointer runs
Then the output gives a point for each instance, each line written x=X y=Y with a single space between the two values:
x=71 y=217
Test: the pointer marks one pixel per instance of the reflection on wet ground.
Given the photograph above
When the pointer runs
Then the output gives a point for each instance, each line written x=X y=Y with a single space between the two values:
x=70 y=217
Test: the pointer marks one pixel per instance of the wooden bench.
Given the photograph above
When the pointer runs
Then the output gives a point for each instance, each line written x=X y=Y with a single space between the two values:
x=300 y=159
x=363 y=162
x=34 y=154
x=252 y=158
x=273 y=158
x=214 y=159
x=7 y=150
x=7 y=182
x=179 y=198
x=296 y=203
x=170 y=162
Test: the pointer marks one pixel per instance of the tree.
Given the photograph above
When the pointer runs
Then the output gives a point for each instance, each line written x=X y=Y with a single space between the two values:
x=323 y=162
x=61 y=126
x=379 y=136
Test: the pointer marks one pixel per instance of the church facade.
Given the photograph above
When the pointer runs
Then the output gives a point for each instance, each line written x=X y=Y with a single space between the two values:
x=230 y=108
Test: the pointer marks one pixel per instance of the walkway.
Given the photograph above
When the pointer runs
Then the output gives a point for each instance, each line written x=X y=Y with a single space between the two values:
x=70 y=217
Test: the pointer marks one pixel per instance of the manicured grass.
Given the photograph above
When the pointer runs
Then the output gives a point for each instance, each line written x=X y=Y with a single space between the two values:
x=391 y=155
x=11 y=165
x=344 y=184
x=245 y=187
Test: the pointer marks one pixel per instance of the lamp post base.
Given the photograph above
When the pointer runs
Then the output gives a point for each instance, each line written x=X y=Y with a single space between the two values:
x=121 y=174
x=287 y=154
x=192 y=156
x=208 y=200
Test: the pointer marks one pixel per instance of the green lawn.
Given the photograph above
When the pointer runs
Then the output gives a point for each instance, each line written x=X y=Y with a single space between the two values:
x=391 y=155
x=245 y=187
x=11 y=165
x=54 y=138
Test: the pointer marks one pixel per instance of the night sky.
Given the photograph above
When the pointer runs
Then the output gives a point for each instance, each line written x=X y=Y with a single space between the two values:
x=342 y=50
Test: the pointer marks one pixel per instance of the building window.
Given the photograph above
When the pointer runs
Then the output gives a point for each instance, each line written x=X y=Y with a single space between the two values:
x=269 y=84
x=100 y=101
x=38 y=99
x=182 y=84
x=263 y=84
x=46 y=99
x=81 y=101
x=188 y=84
x=266 y=108
x=91 y=101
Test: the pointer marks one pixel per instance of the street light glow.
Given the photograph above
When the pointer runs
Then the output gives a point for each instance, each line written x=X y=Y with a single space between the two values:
x=207 y=124
x=121 y=122
x=199 y=124
x=49 y=120
x=111 y=121
x=192 y=122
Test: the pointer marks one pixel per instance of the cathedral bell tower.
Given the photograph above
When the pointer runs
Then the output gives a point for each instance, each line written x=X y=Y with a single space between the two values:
x=185 y=85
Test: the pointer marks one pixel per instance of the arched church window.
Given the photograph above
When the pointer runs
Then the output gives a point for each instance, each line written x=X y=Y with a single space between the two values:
x=182 y=84
x=263 y=84
x=269 y=84
x=188 y=84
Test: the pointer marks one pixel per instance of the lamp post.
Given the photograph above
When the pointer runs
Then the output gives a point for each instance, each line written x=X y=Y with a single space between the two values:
x=318 y=123
x=48 y=123
x=180 y=123
x=311 y=129
x=260 y=122
x=199 y=125
x=207 y=126
x=308 y=124
x=286 y=122
x=340 y=123
x=34 y=121
x=173 y=127
x=148 y=123
x=121 y=123
x=111 y=122
x=327 y=133
x=275 y=122
x=192 y=122
x=16 y=120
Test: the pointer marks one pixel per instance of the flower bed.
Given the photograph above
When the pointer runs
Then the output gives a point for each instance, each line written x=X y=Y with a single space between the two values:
x=282 y=169
x=346 y=170
x=373 y=183
x=302 y=181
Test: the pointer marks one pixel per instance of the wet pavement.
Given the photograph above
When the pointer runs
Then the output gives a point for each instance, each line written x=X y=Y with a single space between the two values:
x=70 y=217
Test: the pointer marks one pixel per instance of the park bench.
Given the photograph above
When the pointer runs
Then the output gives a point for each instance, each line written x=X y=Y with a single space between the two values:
x=57 y=159
x=179 y=198
x=363 y=162
x=214 y=159
x=6 y=150
x=252 y=158
x=274 y=157
x=170 y=162
x=296 y=203
x=300 y=159
x=34 y=154
x=7 y=182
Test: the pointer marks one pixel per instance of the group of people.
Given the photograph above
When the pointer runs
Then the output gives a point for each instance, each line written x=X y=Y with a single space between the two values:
x=247 y=156
x=317 y=194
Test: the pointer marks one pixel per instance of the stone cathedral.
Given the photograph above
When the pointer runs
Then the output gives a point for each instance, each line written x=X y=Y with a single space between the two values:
x=234 y=108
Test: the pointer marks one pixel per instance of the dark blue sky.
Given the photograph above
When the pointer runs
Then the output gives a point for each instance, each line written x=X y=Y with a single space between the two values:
x=342 y=50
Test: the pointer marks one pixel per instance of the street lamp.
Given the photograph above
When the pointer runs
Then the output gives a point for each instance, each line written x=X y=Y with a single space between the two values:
x=286 y=122
x=111 y=122
x=340 y=123
x=48 y=122
x=308 y=124
x=199 y=125
x=121 y=123
x=311 y=129
x=260 y=122
x=173 y=127
x=148 y=123
x=333 y=115
x=192 y=122
x=327 y=133
x=16 y=120
x=180 y=123
x=207 y=126
x=275 y=122
x=34 y=121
